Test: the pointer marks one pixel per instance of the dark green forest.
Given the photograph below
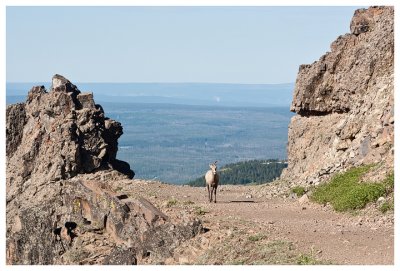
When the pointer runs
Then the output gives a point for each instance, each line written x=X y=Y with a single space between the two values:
x=254 y=171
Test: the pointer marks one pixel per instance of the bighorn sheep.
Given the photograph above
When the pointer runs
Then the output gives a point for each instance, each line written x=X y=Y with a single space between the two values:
x=212 y=179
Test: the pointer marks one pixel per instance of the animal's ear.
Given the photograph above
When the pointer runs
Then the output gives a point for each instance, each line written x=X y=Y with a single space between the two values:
x=209 y=165
x=215 y=162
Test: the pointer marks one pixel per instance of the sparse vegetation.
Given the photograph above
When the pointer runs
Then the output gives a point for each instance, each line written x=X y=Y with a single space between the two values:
x=386 y=206
x=389 y=183
x=306 y=259
x=298 y=190
x=238 y=262
x=199 y=211
x=236 y=251
x=256 y=237
x=171 y=202
x=310 y=258
x=345 y=191
x=188 y=202
x=119 y=188
x=152 y=194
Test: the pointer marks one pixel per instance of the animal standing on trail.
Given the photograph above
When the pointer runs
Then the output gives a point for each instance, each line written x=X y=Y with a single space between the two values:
x=212 y=179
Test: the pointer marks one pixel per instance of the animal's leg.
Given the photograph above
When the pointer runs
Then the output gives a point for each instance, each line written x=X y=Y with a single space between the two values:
x=208 y=190
x=215 y=194
x=211 y=194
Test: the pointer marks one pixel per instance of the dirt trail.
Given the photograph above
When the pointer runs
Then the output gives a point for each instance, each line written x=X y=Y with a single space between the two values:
x=246 y=227
x=341 y=239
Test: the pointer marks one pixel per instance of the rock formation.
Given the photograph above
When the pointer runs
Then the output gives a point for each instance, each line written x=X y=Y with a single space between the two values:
x=345 y=103
x=64 y=133
x=61 y=158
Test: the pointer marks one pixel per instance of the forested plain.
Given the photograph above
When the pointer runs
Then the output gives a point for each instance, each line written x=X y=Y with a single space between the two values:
x=176 y=143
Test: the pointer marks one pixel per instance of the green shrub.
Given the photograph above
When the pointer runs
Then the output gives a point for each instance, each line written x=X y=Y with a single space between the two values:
x=346 y=193
x=305 y=259
x=172 y=202
x=386 y=206
x=299 y=190
x=311 y=258
x=200 y=211
x=389 y=183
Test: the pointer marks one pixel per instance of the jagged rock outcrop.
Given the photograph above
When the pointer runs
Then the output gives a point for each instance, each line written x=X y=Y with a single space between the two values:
x=345 y=103
x=64 y=133
x=60 y=207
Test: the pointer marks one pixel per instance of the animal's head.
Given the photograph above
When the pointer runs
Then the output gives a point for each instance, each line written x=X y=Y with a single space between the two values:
x=213 y=167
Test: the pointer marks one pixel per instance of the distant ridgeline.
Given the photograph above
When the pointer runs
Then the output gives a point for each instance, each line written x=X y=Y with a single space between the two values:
x=254 y=171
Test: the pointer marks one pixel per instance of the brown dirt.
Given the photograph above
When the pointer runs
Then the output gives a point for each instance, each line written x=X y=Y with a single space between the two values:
x=247 y=226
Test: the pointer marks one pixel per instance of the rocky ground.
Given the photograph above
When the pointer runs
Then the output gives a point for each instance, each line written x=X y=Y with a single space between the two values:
x=249 y=226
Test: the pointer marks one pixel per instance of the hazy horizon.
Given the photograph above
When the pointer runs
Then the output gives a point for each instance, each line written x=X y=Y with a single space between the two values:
x=214 y=44
x=254 y=95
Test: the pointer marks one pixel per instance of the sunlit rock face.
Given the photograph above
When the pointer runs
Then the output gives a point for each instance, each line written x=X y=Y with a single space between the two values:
x=345 y=103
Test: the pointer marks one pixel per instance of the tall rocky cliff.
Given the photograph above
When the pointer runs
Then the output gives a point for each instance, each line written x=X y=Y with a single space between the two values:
x=345 y=103
x=60 y=205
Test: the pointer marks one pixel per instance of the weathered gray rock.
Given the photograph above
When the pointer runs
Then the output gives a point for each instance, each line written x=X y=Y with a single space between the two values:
x=380 y=201
x=304 y=199
x=344 y=102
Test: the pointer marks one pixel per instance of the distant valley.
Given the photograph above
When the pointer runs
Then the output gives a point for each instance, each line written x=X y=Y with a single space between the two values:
x=173 y=135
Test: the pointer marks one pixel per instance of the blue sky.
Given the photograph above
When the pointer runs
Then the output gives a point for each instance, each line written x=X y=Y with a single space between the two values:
x=168 y=44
